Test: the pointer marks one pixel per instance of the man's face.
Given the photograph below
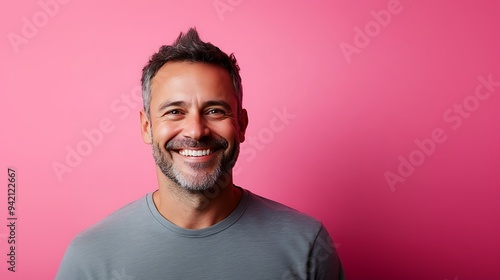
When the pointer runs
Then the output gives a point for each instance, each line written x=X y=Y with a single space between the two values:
x=194 y=126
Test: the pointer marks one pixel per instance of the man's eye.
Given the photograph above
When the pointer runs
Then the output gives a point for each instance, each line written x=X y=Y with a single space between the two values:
x=215 y=111
x=173 y=112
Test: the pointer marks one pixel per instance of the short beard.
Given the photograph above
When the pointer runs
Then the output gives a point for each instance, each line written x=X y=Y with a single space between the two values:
x=198 y=180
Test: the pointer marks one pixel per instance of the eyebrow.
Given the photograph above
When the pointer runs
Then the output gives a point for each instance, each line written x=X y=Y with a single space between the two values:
x=167 y=104
x=210 y=103
x=221 y=103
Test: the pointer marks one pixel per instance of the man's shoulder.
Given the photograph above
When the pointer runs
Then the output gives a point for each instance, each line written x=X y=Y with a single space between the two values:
x=92 y=250
x=268 y=205
x=268 y=210
x=119 y=221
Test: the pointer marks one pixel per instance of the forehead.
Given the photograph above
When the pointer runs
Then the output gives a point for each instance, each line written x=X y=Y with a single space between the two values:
x=191 y=80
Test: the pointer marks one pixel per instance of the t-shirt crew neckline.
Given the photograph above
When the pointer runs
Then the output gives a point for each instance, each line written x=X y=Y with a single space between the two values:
x=220 y=226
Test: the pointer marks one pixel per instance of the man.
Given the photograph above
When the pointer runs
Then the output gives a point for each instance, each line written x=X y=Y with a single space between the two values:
x=198 y=224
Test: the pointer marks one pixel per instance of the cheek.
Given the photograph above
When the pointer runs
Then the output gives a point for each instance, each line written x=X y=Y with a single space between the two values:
x=227 y=130
x=163 y=133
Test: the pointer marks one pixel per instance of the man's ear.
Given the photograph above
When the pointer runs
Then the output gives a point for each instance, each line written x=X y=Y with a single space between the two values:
x=145 y=128
x=243 y=123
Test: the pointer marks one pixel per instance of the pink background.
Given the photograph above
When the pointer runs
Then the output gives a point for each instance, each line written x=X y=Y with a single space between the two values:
x=356 y=116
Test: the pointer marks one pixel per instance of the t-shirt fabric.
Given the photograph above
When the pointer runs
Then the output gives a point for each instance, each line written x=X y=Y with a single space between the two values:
x=260 y=239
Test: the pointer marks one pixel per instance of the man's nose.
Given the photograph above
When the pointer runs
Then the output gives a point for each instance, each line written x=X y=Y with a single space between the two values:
x=195 y=127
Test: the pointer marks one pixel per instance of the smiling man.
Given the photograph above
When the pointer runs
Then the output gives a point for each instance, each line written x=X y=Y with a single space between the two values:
x=198 y=224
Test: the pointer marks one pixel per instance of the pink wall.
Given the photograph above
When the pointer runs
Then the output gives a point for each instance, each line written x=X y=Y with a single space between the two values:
x=390 y=134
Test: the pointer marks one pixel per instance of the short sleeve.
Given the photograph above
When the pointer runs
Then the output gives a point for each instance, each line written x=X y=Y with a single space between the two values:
x=324 y=262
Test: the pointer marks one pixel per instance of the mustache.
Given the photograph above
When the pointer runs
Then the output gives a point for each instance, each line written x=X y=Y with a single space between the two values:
x=207 y=141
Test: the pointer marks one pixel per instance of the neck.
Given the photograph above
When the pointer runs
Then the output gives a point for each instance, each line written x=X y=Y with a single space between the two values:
x=195 y=210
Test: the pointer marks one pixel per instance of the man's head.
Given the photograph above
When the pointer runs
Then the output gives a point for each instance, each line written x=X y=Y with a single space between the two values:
x=193 y=116
x=189 y=47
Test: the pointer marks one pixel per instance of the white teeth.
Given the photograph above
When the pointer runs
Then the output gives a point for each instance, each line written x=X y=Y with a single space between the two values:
x=194 y=153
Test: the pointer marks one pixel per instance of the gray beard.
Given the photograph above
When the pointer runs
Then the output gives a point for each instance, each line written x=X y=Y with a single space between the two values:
x=196 y=180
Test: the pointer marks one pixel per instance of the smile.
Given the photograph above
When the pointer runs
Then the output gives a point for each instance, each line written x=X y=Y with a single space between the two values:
x=195 y=153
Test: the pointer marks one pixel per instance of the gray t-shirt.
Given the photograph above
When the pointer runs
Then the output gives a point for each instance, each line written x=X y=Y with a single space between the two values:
x=260 y=239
